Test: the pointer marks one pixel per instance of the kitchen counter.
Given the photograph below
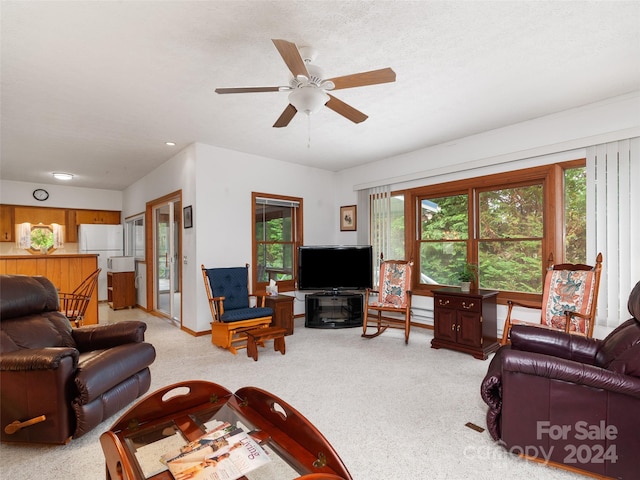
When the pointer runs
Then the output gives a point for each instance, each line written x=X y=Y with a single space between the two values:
x=66 y=272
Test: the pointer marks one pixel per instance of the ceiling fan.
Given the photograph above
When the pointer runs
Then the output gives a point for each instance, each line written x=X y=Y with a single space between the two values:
x=308 y=89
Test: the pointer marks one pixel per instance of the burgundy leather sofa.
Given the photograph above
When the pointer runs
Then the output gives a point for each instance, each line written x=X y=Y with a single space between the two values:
x=569 y=399
x=75 y=378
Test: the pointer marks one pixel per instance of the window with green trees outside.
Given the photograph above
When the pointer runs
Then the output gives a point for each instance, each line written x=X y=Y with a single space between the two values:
x=507 y=224
x=277 y=233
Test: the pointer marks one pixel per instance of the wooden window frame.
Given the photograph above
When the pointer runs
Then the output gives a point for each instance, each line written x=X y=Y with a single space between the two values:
x=283 y=285
x=552 y=179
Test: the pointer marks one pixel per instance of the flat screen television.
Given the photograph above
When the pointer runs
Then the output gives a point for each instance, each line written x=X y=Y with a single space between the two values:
x=335 y=267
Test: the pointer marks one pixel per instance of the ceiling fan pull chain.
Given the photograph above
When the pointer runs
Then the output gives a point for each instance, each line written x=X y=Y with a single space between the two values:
x=309 y=132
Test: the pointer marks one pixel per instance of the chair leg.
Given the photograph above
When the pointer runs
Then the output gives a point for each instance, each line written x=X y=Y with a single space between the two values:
x=365 y=321
x=507 y=325
x=407 y=326
x=505 y=333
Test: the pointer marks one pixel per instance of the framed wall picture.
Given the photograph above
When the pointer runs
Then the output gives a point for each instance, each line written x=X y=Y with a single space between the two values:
x=348 y=219
x=187 y=217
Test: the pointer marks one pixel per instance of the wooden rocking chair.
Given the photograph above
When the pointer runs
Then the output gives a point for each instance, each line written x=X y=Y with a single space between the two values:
x=394 y=297
x=74 y=305
x=569 y=300
x=228 y=295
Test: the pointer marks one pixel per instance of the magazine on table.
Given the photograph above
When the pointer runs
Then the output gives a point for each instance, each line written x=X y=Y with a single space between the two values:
x=225 y=453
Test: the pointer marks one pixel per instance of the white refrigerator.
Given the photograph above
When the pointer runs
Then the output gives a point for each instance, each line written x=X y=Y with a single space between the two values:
x=104 y=240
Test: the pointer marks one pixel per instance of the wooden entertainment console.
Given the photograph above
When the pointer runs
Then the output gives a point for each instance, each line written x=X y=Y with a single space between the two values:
x=333 y=310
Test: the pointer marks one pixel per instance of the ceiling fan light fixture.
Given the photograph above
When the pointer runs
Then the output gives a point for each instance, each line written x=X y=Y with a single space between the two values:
x=308 y=99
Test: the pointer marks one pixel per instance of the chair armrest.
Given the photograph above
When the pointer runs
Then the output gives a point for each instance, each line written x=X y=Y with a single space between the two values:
x=101 y=372
x=491 y=386
x=100 y=337
x=261 y=298
x=564 y=370
x=555 y=343
x=37 y=359
x=515 y=303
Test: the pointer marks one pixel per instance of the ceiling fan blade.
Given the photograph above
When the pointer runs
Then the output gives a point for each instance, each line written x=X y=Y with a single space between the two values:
x=384 y=75
x=286 y=116
x=347 y=111
x=291 y=56
x=248 y=89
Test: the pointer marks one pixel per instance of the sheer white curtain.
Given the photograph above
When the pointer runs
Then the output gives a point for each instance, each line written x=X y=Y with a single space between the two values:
x=613 y=223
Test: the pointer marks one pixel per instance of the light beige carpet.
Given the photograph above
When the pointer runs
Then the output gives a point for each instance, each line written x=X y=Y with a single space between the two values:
x=391 y=411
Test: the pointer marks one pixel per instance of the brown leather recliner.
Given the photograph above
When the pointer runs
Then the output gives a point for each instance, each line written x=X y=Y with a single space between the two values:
x=571 y=400
x=62 y=382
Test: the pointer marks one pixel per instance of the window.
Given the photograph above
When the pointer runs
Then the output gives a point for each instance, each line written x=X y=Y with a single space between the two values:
x=443 y=240
x=506 y=224
x=134 y=237
x=510 y=238
x=41 y=238
x=277 y=234
x=575 y=215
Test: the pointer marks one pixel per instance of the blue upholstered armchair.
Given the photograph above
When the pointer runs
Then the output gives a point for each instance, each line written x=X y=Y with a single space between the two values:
x=228 y=295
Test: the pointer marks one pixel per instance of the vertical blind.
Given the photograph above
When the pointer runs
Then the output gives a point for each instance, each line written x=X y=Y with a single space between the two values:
x=613 y=223
x=380 y=225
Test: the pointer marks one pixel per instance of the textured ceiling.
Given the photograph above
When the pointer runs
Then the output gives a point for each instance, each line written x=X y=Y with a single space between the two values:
x=96 y=88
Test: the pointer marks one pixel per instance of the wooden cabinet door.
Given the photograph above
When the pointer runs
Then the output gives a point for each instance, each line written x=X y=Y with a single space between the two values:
x=71 y=227
x=469 y=329
x=7 y=223
x=44 y=215
x=444 y=324
x=97 y=216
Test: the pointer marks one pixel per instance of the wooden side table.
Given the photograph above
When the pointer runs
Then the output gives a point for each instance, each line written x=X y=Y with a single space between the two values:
x=282 y=306
x=121 y=289
x=465 y=321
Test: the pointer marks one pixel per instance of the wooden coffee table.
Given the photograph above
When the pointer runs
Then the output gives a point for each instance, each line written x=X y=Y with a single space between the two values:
x=179 y=413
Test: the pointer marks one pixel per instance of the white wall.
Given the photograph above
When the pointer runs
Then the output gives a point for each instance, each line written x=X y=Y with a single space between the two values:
x=222 y=211
x=178 y=173
x=60 y=196
x=218 y=183
x=535 y=142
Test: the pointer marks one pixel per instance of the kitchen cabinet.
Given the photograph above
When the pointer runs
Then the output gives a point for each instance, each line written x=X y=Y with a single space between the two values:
x=36 y=215
x=7 y=223
x=66 y=272
x=10 y=215
x=109 y=217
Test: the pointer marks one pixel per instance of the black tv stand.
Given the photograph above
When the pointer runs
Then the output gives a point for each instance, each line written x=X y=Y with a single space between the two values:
x=333 y=309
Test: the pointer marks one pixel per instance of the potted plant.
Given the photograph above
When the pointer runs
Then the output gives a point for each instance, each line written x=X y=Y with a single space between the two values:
x=467 y=274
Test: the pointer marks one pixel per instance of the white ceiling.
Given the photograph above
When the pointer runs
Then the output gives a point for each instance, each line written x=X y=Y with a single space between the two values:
x=96 y=88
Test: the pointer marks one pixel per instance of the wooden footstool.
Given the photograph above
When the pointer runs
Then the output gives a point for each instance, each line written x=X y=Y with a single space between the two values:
x=258 y=336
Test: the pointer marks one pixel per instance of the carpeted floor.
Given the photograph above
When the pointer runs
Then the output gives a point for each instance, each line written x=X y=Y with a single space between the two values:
x=391 y=411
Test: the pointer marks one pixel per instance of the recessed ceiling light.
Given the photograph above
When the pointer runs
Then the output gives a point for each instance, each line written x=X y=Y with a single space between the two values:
x=62 y=176
x=170 y=144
